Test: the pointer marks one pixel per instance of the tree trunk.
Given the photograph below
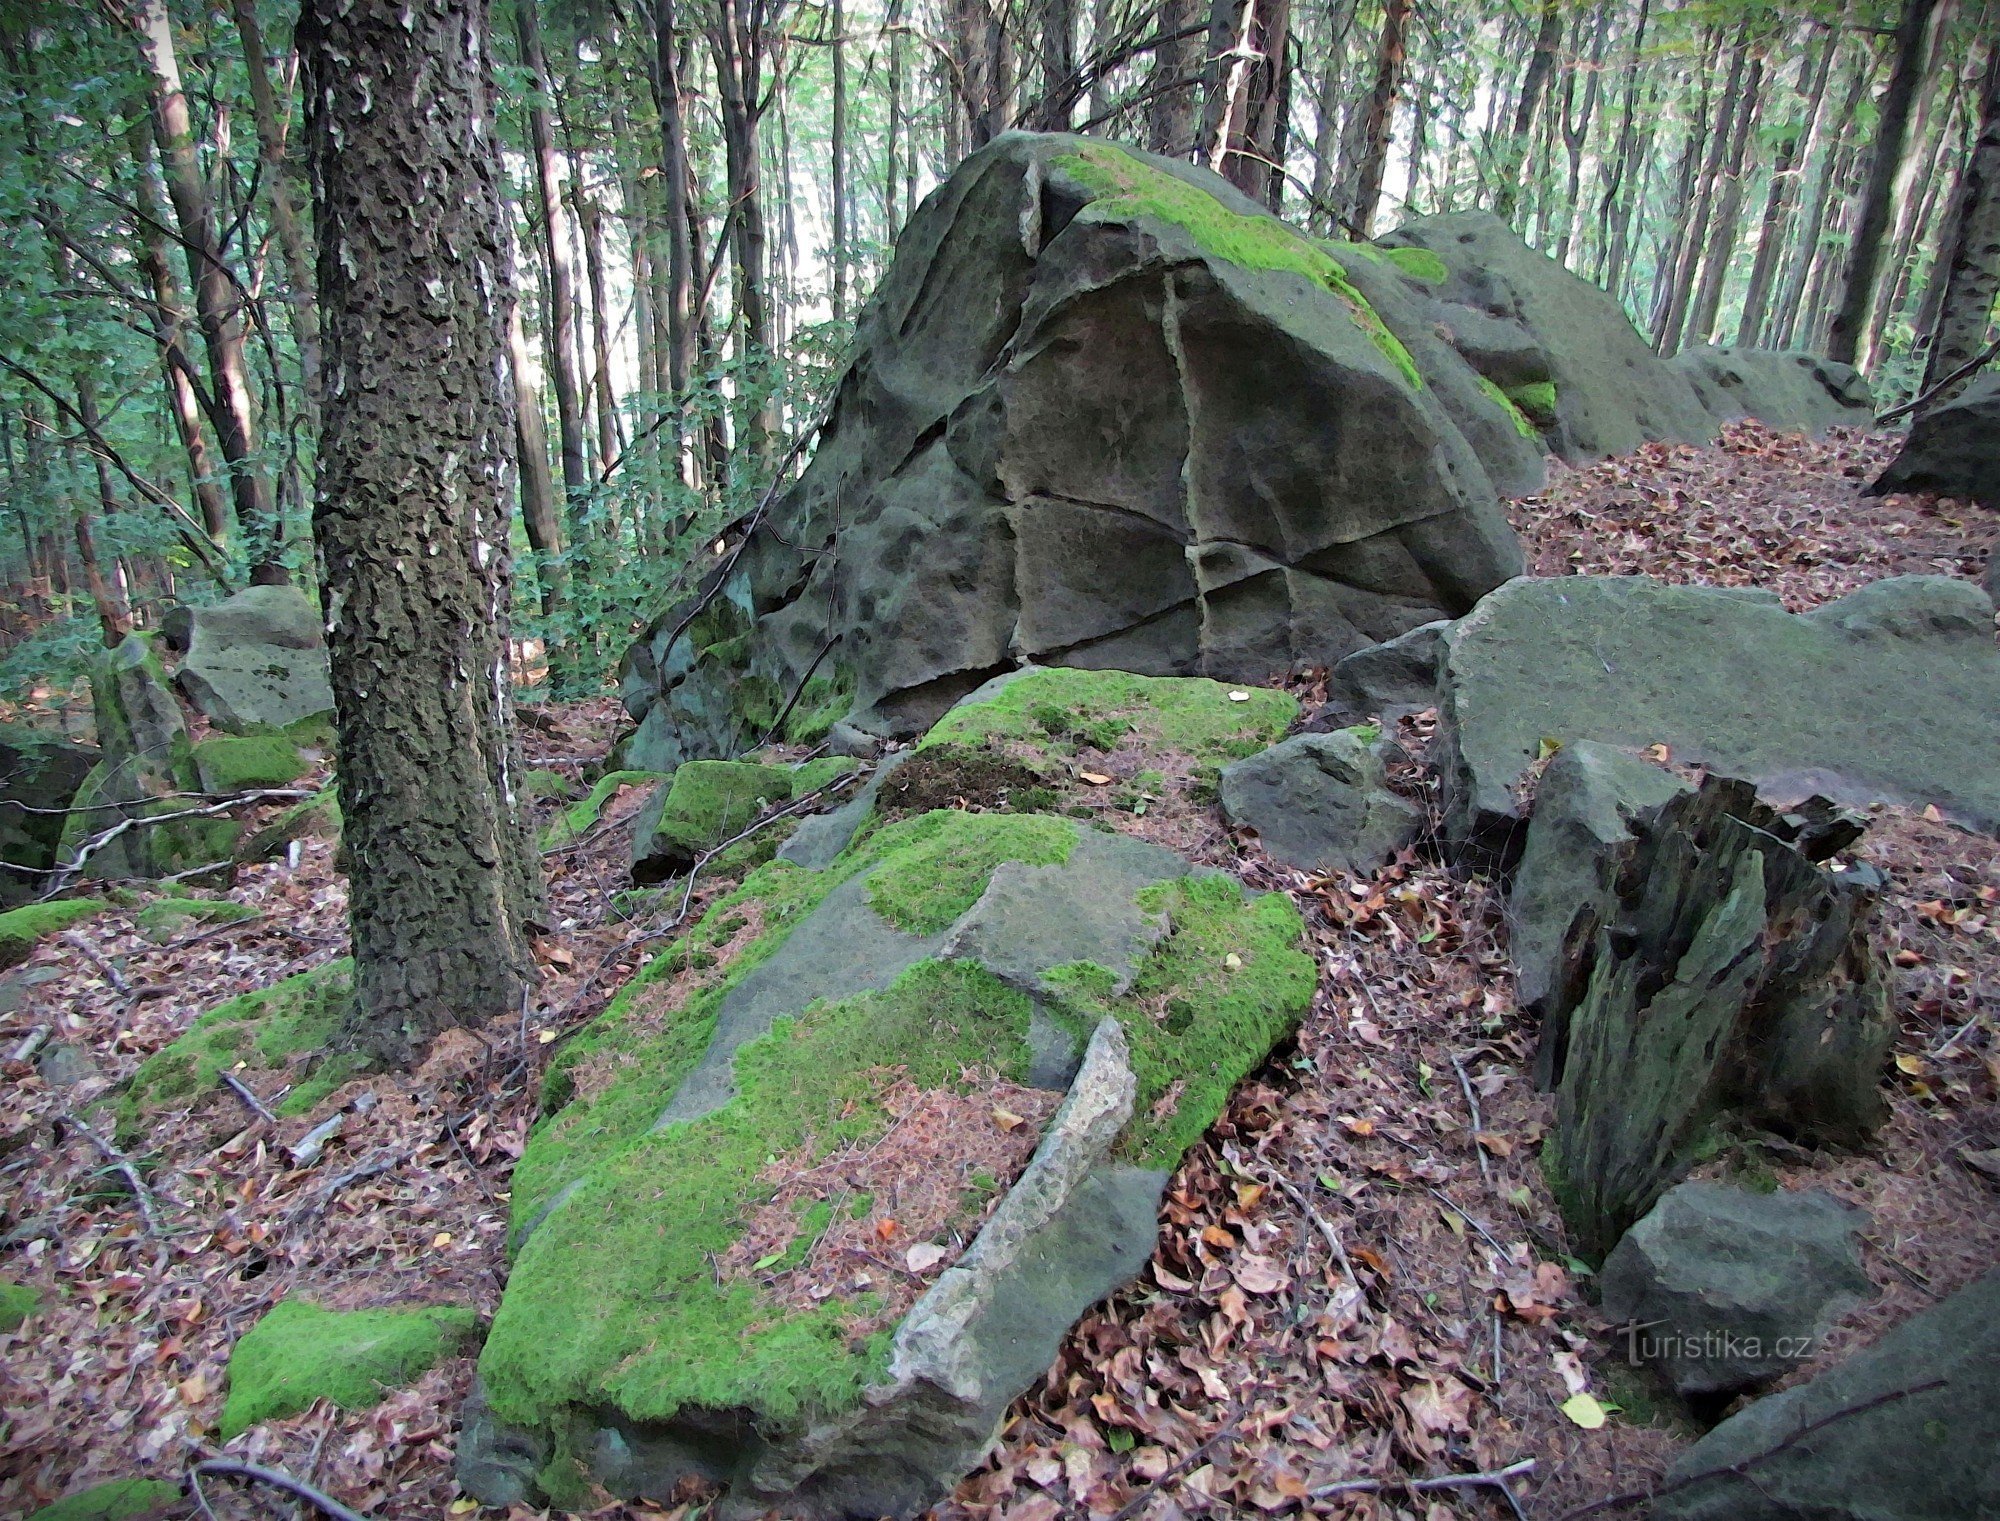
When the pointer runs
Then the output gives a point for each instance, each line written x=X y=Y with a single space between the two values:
x=1864 y=256
x=1681 y=293
x=892 y=147
x=540 y=517
x=1172 y=86
x=216 y=296
x=1377 y=118
x=270 y=119
x=1814 y=68
x=1822 y=156
x=1728 y=215
x=560 y=318
x=1910 y=197
x=1614 y=207
x=737 y=39
x=1058 y=60
x=1242 y=117
x=412 y=515
x=1968 y=267
x=1326 y=104
x=839 y=146
x=1548 y=37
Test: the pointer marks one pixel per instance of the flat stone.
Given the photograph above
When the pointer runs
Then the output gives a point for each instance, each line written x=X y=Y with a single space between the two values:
x=256 y=659
x=1951 y=450
x=1320 y=802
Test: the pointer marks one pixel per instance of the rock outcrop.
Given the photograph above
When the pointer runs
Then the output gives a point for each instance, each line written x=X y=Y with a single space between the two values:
x=255 y=660
x=1724 y=1289
x=39 y=775
x=1012 y=1022
x=1951 y=448
x=1792 y=392
x=1889 y=694
x=1321 y=803
x=1908 y=1430
x=1106 y=412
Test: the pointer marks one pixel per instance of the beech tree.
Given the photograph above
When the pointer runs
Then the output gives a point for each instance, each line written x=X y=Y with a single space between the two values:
x=412 y=512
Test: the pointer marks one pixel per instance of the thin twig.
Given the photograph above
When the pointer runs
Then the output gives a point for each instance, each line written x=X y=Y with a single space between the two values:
x=388 y=1161
x=67 y=871
x=1478 y=1125
x=1173 y=1475
x=148 y=1210
x=207 y=934
x=1326 y=1230
x=1497 y=1479
x=111 y=973
x=229 y=1468
x=1971 y=367
x=1459 y=1209
x=33 y=1043
x=237 y=1086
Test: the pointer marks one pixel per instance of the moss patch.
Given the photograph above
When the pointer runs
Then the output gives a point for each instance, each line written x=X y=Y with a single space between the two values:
x=705 y=804
x=316 y=815
x=543 y=784
x=119 y=1500
x=1188 y=714
x=229 y=764
x=578 y=818
x=1537 y=399
x=163 y=917
x=824 y=772
x=922 y=888
x=653 y=1330
x=1197 y=1023
x=1125 y=188
x=1523 y=425
x=1420 y=264
x=291 y=1021
x=17 y=1303
x=21 y=927
x=299 y=1353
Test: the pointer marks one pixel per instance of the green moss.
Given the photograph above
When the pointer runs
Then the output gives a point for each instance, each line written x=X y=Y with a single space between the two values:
x=578 y=818
x=1522 y=424
x=1188 y=714
x=1420 y=264
x=119 y=1500
x=229 y=764
x=21 y=927
x=706 y=803
x=1197 y=1024
x=1537 y=399
x=1124 y=188
x=652 y=1329
x=163 y=917
x=17 y=1303
x=815 y=774
x=543 y=784
x=299 y=1353
x=922 y=888
x=316 y=815
x=264 y=1030
x=823 y=702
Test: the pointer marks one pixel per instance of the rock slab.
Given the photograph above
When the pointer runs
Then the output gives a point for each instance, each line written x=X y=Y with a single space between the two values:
x=253 y=661
x=1725 y=1289
x=1320 y=803
x=1951 y=448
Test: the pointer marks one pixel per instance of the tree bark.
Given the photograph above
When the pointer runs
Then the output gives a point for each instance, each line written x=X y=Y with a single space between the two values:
x=412 y=514
x=1614 y=207
x=1548 y=37
x=1695 y=241
x=1864 y=257
x=1172 y=85
x=737 y=33
x=216 y=297
x=1822 y=155
x=841 y=231
x=1377 y=118
x=1968 y=267
x=270 y=119
x=1728 y=214
x=1814 y=68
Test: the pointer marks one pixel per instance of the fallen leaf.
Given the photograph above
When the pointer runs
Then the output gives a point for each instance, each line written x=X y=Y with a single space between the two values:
x=1239 y=696
x=886 y=1228
x=924 y=1256
x=1357 y=1127
x=441 y=1239
x=462 y=1507
x=1095 y=778
x=194 y=1389
x=1495 y=1145
x=1260 y=1275
x=1007 y=1119
x=1584 y=1410
x=1233 y=961
x=543 y=1037
x=1913 y=1065
x=1569 y=1368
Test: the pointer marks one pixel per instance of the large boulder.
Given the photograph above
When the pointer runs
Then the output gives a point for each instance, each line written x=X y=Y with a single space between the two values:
x=1951 y=448
x=1889 y=694
x=255 y=660
x=39 y=775
x=1792 y=392
x=1564 y=351
x=1720 y=977
x=1725 y=1289
x=1321 y=803
x=1105 y=412
x=820 y=1193
x=1908 y=1430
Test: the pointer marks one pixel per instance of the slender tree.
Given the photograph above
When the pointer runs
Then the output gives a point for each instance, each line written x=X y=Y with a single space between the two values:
x=1968 y=268
x=415 y=459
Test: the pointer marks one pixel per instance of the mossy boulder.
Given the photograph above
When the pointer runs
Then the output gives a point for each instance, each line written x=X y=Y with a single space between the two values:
x=39 y=776
x=580 y=817
x=755 y=1058
x=318 y=815
x=17 y=1303
x=229 y=764
x=253 y=661
x=287 y=1028
x=21 y=927
x=299 y=1353
x=1950 y=450
x=704 y=804
x=119 y=1500
x=1792 y=392
x=164 y=918
x=1104 y=411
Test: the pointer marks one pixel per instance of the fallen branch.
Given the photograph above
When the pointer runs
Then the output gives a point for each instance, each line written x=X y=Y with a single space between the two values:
x=1472 y=1104
x=241 y=1089
x=31 y=1044
x=110 y=973
x=1173 y=1475
x=1497 y=1479
x=229 y=1468
x=1741 y=1469
x=208 y=934
x=388 y=1161
x=125 y=1167
x=63 y=875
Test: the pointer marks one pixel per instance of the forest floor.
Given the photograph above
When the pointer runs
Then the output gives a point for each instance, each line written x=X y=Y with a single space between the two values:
x=1361 y=1281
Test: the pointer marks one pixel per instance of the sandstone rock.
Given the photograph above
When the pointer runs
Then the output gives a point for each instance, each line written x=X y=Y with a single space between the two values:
x=1794 y=393
x=1728 y=1289
x=1908 y=1430
x=255 y=660
x=1951 y=449
x=1320 y=802
x=1721 y=974
x=1562 y=349
x=39 y=775
x=941 y=946
x=1389 y=679
x=704 y=804
x=1890 y=694
x=1105 y=412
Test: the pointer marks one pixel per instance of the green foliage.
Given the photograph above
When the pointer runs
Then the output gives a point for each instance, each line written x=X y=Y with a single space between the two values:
x=17 y=1303
x=21 y=927
x=706 y=803
x=119 y=1500
x=1537 y=399
x=816 y=774
x=543 y=784
x=299 y=1353
x=1500 y=399
x=262 y=1030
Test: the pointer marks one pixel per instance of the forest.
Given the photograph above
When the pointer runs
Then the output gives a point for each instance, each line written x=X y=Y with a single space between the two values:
x=999 y=759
